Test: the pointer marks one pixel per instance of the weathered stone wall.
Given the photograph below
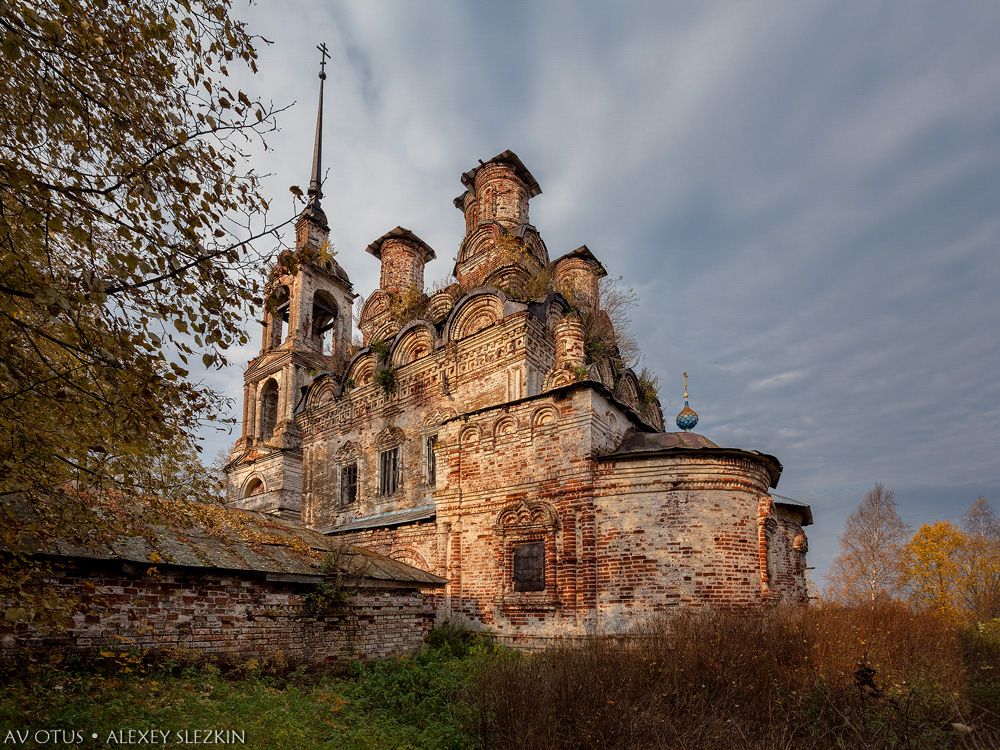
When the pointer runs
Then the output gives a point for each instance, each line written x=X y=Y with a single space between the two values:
x=788 y=559
x=222 y=614
x=504 y=363
x=676 y=530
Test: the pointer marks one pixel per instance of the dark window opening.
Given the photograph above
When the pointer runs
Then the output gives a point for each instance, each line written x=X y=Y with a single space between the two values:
x=431 y=444
x=278 y=306
x=388 y=471
x=255 y=487
x=529 y=566
x=268 y=409
x=324 y=320
x=349 y=484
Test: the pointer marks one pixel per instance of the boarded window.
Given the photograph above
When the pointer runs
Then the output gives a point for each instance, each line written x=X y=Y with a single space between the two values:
x=349 y=484
x=388 y=471
x=529 y=566
x=431 y=462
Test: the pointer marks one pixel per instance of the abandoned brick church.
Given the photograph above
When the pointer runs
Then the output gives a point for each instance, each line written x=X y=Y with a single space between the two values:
x=489 y=433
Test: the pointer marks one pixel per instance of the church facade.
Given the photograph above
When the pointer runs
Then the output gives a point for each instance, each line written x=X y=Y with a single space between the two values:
x=488 y=432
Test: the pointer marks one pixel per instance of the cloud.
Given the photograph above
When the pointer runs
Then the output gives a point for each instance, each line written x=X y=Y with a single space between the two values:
x=779 y=380
x=804 y=196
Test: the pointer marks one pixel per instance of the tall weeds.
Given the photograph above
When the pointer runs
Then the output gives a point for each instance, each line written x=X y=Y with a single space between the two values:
x=818 y=677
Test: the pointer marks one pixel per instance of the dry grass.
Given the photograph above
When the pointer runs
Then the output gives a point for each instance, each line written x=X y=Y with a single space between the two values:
x=782 y=679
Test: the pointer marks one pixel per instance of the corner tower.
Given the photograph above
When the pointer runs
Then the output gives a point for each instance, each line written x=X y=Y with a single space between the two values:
x=501 y=247
x=306 y=329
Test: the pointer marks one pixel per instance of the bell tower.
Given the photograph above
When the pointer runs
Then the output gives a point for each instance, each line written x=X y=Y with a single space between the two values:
x=306 y=329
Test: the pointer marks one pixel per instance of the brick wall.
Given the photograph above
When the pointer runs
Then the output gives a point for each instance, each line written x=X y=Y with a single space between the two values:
x=222 y=614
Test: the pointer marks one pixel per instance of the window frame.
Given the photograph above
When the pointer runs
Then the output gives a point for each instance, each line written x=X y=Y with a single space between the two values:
x=344 y=468
x=390 y=465
x=527 y=583
x=430 y=460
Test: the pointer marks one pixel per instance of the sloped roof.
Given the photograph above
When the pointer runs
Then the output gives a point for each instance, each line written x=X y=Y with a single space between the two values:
x=506 y=157
x=401 y=233
x=647 y=444
x=789 y=502
x=192 y=535
x=583 y=252
x=386 y=520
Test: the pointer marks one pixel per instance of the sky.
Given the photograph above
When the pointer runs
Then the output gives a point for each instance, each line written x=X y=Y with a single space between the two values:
x=803 y=195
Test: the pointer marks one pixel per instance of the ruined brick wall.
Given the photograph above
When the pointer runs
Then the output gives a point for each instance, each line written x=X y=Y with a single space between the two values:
x=222 y=614
x=788 y=559
x=677 y=530
x=415 y=544
x=478 y=369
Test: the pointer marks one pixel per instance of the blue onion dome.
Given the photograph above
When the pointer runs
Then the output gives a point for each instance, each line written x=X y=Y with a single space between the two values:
x=687 y=417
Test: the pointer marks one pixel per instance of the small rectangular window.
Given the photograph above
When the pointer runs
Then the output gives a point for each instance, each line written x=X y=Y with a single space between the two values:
x=388 y=471
x=431 y=461
x=349 y=483
x=529 y=566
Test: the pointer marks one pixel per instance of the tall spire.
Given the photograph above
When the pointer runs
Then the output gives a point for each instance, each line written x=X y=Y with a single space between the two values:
x=315 y=190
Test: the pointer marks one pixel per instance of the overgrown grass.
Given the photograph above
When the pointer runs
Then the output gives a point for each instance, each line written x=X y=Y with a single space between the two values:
x=821 y=677
x=785 y=679
x=396 y=703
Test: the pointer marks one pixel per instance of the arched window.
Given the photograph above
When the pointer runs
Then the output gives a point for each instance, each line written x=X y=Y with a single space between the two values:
x=268 y=409
x=277 y=316
x=254 y=487
x=525 y=536
x=324 y=321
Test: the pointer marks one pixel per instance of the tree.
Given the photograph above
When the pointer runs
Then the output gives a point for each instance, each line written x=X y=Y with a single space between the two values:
x=126 y=217
x=981 y=562
x=865 y=568
x=981 y=521
x=953 y=571
x=931 y=567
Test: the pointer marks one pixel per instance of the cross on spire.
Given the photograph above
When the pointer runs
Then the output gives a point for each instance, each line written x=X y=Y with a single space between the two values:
x=315 y=191
x=324 y=54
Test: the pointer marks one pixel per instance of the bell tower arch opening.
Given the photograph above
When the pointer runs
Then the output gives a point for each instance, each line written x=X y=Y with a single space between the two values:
x=325 y=320
x=268 y=409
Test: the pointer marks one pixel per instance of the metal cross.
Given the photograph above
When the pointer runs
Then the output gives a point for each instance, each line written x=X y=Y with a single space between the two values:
x=324 y=54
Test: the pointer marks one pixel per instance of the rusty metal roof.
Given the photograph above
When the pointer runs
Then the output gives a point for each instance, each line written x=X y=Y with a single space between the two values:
x=641 y=442
x=229 y=539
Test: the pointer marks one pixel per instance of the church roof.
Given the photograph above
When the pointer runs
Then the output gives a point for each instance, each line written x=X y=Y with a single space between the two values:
x=582 y=252
x=195 y=535
x=643 y=442
x=387 y=520
x=796 y=505
x=400 y=233
x=510 y=158
x=648 y=444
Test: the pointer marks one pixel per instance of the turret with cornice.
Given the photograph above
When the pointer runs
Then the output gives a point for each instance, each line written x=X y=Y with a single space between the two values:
x=501 y=247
